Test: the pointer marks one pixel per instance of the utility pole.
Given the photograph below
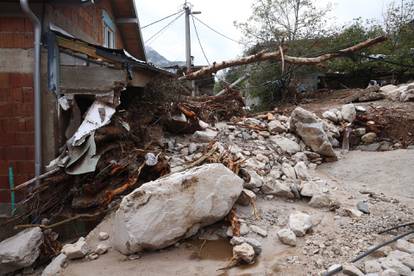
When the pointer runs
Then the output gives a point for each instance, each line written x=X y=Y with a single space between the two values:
x=188 y=13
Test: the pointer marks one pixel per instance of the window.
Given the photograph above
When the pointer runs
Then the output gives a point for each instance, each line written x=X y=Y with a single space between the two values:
x=109 y=31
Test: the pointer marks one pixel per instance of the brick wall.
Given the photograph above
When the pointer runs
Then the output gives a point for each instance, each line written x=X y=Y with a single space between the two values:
x=83 y=22
x=16 y=109
x=17 y=129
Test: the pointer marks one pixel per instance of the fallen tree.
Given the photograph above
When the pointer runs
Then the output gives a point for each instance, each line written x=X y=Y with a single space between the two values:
x=278 y=55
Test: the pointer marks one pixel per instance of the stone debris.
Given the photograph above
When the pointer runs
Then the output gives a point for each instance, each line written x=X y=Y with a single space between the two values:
x=103 y=236
x=21 y=250
x=363 y=207
x=352 y=270
x=311 y=129
x=174 y=207
x=76 y=250
x=348 y=112
x=258 y=230
x=300 y=223
x=101 y=249
x=55 y=268
x=287 y=236
x=257 y=246
x=246 y=197
x=244 y=252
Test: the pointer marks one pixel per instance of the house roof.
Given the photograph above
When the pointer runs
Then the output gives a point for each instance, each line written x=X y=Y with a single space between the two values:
x=126 y=17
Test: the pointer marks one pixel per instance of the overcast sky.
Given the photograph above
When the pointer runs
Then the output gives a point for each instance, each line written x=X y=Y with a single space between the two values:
x=220 y=14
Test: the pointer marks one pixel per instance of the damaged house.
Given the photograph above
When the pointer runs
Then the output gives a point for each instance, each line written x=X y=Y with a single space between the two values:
x=86 y=55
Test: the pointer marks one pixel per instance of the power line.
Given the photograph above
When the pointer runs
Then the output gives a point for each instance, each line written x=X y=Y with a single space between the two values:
x=199 y=41
x=217 y=32
x=165 y=27
x=162 y=19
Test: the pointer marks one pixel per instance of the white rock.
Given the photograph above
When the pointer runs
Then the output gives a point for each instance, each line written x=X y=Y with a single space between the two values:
x=407 y=96
x=287 y=236
x=330 y=115
x=388 y=88
x=312 y=131
x=55 y=268
x=76 y=250
x=101 y=249
x=360 y=108
x=300 y=223
x=302 y=171
x=174 y=207
x=309 y=188
x=372 y=266
x=244 y=229
x=288 y=170
x=192 y=147
x=348 y=112
x=257 y=246
x=204 y=136
x=389 y=272
x=244 y=252
x=103 y=236
x=21 y=250
x=203 y=124
x=285 y=144
x=258 y=230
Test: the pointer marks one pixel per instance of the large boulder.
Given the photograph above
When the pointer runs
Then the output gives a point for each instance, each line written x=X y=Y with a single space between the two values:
x=161 y=212
x=348 y=112
x=310 y=128
x=21 y=250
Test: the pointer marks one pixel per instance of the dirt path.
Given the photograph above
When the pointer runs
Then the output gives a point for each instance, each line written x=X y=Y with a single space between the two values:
x=390 y=172
x=336 y=237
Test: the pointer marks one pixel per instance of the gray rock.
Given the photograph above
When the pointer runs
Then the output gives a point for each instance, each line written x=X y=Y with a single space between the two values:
x=302 y=171
x=309 y=188
x=352 y=270
x=404 y=246
x=310 y=128
x=21 y=250
x=55 y=268
x=174 y=207
x=285 y=144
x=257 y=246
x=258 y=230
x=101 y=249
x=300 y=223
x=363 y=207
x=360 y=131
x=288 y=170
x=255 y=182
x=389 y=272
x=76 y=250
x=244 y=252
x=204 y=136
x=396 y=265
x=287 y=236
x=322 y=201
x=276 y=127
x=348 y=112
x=330 y=115
x=244 y=229
x=192 y=147
x=372 y=266
x=407 y=95
x=369 y=138
x=277 y=188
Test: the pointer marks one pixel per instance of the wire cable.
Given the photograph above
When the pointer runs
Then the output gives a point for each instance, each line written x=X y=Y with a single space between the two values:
x=199 y=41
x=165 y=27
x=217 y=32
x=162 y=19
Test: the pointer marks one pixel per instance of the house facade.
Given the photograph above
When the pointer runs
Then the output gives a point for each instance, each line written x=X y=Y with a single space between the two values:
x=90 y=49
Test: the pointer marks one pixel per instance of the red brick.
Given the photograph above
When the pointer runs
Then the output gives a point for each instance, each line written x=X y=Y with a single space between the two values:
x=29 y=125
x=4 y=79
x=4 y=95
x=4 y=197
x=18 y=80
x=15 y=24
x=30 y=153
x=28 y=95
x=16 y=95
x=24 y=139
x=24 y=167
x=23 y=109
x=4 y=182
x=16 y=153
x=4 y=168
x=6 y=110
x=6 y=139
